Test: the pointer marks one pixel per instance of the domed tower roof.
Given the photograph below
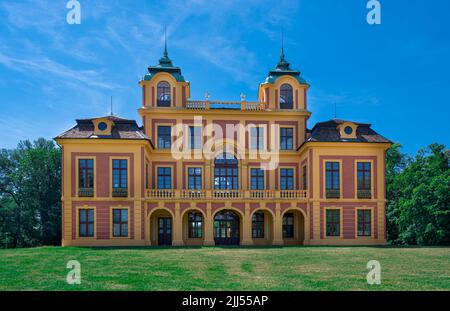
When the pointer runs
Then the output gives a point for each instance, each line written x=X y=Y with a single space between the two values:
x=165 y=65
x=283 y=68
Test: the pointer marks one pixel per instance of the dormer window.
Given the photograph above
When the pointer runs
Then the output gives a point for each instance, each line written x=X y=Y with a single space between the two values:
x=286 y=97
x=102 y=126
x=348 y=130
x=163 y=94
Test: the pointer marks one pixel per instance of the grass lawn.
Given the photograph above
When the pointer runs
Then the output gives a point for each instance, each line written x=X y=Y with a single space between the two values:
x=213 y=268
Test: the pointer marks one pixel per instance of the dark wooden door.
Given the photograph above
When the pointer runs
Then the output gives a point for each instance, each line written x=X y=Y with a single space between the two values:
x=226 y=228
x=164 y=231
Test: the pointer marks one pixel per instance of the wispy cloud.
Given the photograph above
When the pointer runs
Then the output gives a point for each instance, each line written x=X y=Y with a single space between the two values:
x=46 y=65
x=135 y=32
x=75 y=69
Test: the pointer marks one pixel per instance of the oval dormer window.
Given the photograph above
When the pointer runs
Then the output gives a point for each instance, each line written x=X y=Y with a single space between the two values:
x=102 y=126
x=348 y=130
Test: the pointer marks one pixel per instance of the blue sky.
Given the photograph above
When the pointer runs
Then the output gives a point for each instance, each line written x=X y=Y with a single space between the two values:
x=395 y=76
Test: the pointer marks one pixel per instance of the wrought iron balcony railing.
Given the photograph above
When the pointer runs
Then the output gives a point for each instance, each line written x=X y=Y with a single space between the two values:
x=120 y=192
x=333 y=194
x=364 y=194
x=86 y=192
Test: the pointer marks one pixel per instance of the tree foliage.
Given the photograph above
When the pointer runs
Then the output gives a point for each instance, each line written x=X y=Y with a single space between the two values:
x=30 y=194
x=418 y=196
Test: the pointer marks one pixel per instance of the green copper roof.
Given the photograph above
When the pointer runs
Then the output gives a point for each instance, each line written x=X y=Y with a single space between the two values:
x=165 y=65
x=283 y=68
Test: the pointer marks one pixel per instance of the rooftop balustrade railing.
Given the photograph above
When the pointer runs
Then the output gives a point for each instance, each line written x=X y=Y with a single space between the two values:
x=235 y=105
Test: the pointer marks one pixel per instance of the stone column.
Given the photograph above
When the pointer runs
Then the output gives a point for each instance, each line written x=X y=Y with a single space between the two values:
x=278 y=226
x=209 y=237
x=247 y=227
x=177 y=227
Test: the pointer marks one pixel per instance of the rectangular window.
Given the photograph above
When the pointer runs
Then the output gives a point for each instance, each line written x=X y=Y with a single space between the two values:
x=304 y=178
x=86 y=222
x=288 y=225
x=195 y=137
x=257 y=138
x=195 y=220
x=194 y=178
x=364 y=222
x=332 y=180
x=164 y=178
x=364 y=180
x=120 y=222
x=120 y=178
x=333 y=222
x=256 y=179
x=86 y=177
x=164 y=137
x=86 y=173
x=286 y=138
x=286 y=179
x=258 y=226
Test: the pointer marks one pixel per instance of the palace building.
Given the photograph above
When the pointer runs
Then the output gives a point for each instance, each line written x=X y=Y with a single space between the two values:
x=270 y=180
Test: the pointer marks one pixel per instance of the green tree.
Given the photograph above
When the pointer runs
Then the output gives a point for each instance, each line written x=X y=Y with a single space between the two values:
x=30 y=194
x=418 y=196
x=396 y=162
x=425 y=206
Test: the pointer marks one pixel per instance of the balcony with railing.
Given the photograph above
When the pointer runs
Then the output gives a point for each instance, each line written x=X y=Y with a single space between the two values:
x=120 y=192
x=183 y=194
x=364 y=194
x=333 y=193
x=85 y=192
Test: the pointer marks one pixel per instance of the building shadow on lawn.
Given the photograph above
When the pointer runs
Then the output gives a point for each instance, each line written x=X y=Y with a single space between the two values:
x=236 y=247
x=100 y=248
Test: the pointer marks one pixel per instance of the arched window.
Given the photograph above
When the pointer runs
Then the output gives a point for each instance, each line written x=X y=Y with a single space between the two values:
x=163 y=94
x=226 y=176
x=286 y=97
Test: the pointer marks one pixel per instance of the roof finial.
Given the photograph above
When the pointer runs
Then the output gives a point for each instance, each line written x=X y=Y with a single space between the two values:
x=111 y=106
x=282 y=64
x=282 y=45
x=165 y=41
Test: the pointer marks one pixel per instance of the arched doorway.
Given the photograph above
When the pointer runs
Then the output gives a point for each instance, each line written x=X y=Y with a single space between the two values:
x=227 y=228
x=161 y=227
x=293 y=226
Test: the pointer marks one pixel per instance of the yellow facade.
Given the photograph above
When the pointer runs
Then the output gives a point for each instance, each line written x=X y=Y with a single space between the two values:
x=136 y=192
